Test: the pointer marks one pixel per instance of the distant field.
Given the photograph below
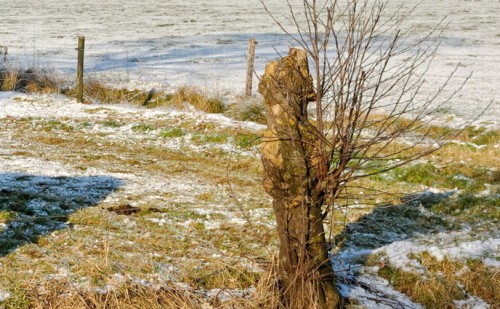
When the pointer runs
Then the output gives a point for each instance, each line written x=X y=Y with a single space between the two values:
x=167 y=44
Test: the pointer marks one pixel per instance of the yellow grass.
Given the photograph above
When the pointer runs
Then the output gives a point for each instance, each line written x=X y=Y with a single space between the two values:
x=445 y=282
x=30 y=81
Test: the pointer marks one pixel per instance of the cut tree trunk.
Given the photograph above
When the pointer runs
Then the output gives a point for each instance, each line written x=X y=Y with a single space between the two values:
x=290 y=164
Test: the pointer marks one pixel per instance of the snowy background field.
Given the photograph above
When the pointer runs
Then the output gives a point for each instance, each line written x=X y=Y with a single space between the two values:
x=174 y=43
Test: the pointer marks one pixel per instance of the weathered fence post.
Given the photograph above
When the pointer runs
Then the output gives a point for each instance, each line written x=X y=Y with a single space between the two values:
x=251 y=59
x=79 y=71
x=5 y=52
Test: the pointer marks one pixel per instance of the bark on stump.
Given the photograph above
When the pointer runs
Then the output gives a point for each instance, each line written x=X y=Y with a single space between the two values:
x=290 y=177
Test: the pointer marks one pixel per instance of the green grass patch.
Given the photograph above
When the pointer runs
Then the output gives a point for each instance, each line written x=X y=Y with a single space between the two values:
x=479 y=135
x=215 y=138
x=486 y=138
x=142 y=128
x=112 y=124
x=57 y=125
x=468 y=208
x=247 y=140
x=172 y=133
x=85 y=125
x=455 y=176
x=6 y=215
x=425 y=174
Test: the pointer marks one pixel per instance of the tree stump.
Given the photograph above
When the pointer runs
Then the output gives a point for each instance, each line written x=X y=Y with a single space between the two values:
x=290 y=176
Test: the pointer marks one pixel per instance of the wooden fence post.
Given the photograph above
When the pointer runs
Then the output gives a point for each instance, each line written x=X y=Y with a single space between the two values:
x=5 y=52
x=251 y=59
x=79 y=71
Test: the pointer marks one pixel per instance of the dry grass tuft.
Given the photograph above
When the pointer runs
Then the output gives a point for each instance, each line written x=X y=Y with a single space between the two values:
x=8 y=80
x=97 y=91
x=63 y=294
x=247 y=110
x=446 y=281
x=102 y=93
x=32 y=80
x=267 y=293
x=198 y=99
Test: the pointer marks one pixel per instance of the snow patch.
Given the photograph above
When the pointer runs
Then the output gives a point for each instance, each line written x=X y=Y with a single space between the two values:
x=372 y=292
x=447 y=246
x=492 y=262
x=472 y=302
x=4 y=296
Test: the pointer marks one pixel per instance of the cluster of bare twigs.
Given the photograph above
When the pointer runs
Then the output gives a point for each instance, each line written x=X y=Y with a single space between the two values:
x=371 y=115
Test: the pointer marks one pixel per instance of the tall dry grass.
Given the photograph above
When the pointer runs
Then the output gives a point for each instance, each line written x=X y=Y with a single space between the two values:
x=64 y=294
x=29 y=80
x=96 y=91
x=43 y=80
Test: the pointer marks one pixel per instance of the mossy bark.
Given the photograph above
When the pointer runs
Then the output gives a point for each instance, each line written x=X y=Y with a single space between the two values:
x=289 y=156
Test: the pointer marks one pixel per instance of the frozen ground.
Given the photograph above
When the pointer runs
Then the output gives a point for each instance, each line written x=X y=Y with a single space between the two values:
x=172 y=43
x=73 y=160
x=43 y=184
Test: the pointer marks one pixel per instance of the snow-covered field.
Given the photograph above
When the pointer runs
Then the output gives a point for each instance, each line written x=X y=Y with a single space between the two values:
x=172 y=43
x=195 y=188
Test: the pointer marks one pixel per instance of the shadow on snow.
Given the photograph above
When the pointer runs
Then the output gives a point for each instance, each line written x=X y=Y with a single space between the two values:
x=32 y=206
x=383 y=226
